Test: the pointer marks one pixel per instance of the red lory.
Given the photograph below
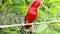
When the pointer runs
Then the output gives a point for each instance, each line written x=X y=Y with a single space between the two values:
x=32 y=13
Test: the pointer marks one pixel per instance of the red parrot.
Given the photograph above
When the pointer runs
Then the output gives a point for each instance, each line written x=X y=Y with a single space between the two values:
x=32 y=13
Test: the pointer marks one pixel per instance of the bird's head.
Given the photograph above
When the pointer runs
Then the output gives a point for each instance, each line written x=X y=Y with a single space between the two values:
x=36 y=3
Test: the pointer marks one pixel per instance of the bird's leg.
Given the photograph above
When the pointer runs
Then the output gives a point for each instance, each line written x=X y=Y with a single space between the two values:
x=26 y=30
x=31 y=30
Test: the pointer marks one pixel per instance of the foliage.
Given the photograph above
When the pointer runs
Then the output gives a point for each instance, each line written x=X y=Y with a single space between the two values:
x=11 y=12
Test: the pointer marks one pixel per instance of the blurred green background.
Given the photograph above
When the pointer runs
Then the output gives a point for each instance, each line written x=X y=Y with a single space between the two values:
x=14 y=12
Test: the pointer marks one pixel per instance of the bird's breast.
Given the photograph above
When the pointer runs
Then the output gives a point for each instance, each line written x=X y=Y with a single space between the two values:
x=32 y=14
x=32 y=11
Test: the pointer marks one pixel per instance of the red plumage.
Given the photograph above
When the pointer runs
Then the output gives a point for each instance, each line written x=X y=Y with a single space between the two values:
x=32 y=13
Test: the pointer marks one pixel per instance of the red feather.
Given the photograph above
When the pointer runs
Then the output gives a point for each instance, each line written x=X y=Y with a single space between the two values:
x=32 y=13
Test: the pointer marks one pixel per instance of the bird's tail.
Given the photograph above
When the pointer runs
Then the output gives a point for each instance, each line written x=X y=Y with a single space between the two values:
x=28 y=26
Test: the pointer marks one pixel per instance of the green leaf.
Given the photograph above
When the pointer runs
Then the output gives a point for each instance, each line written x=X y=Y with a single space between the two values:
x=0 y=4
x=10 y=1
x=51 y=1
x=54 y=10
x=18 y=2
